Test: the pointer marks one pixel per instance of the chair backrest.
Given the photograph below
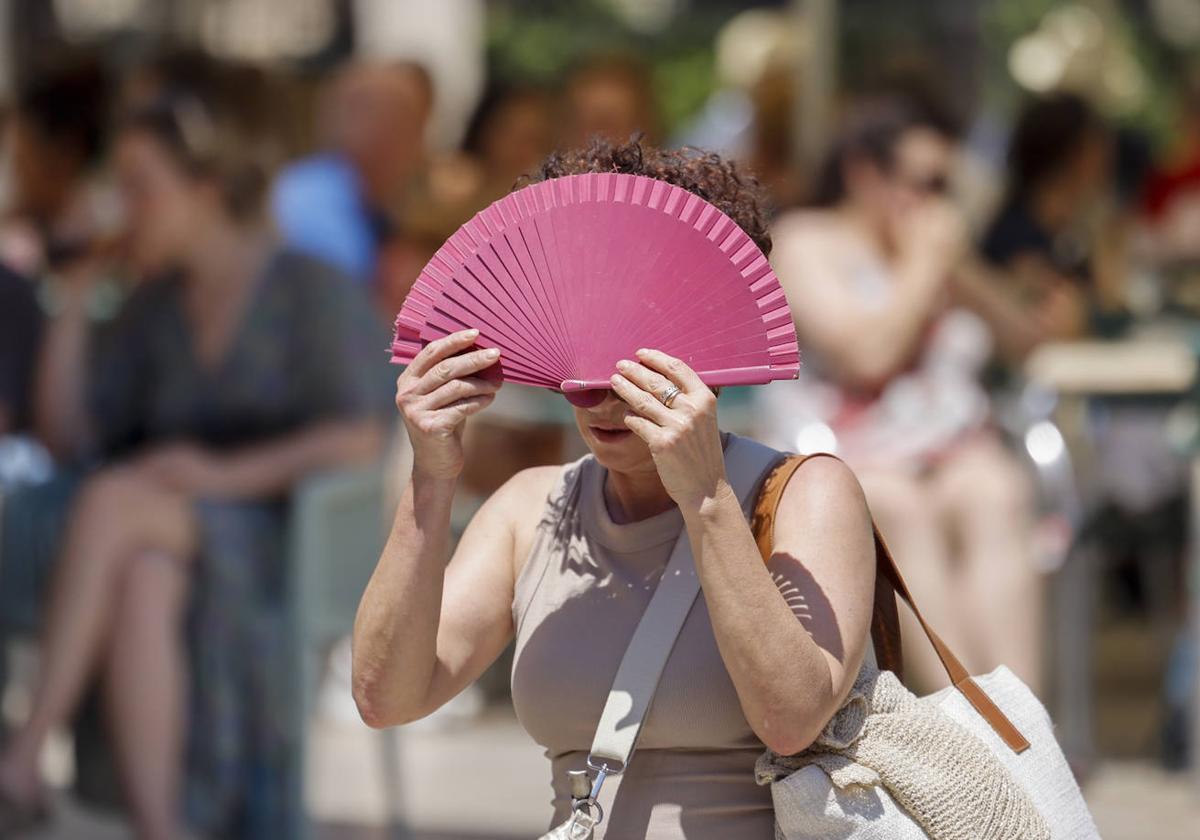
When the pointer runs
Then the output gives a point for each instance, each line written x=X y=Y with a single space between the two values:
x=335 y=537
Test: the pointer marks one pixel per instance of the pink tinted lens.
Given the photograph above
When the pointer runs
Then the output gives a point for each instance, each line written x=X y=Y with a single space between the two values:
x=587 y=399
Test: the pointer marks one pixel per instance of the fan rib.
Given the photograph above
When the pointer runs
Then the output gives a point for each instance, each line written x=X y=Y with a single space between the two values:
x=556 y=327
x=521 y=312
x=554 y=272
x=533 y=305
x=520 y=270
x=534 y=241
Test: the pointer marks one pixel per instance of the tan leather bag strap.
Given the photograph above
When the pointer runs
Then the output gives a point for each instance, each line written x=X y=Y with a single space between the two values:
x=885 y=627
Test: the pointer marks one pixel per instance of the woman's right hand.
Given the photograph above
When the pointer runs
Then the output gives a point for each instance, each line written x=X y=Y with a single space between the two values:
x=436 y=393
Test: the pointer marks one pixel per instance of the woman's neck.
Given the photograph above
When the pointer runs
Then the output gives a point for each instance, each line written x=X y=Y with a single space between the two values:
x=636 y=495
x=225 y=254
x=639 y=494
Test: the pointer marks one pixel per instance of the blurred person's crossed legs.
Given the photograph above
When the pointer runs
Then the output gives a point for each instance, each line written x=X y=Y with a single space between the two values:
x=116 y=609
x=961 y=534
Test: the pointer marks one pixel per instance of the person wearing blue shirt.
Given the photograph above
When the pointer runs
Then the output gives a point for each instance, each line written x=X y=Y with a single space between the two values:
x=335 y=205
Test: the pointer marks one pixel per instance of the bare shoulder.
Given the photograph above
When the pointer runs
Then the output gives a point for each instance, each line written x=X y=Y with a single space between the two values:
x=521 y=501
x=807 y=239
x=824 y=497
x=496 y=541
x=529 y=485
x=806 y=227
x=827 y=483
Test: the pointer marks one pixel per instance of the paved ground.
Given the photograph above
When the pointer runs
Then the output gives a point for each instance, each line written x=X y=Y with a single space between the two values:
x=485 y=781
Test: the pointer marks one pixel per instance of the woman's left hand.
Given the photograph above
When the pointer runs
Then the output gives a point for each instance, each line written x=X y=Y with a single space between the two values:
x=683 y=438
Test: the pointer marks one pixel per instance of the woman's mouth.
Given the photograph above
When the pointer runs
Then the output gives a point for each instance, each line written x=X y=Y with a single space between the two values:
x=607 y=435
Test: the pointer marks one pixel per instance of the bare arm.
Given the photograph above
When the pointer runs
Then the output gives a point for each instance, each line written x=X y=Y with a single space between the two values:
x=864 y=343
x=59 y=405
x=792 y=636
x=1019 y=326
x=424 y=630
x=270 y=468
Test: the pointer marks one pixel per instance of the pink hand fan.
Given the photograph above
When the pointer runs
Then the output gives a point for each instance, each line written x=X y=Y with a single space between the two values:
x=568 y=276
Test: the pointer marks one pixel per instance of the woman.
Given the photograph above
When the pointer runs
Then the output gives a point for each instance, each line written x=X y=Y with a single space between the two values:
x=54 y=140
x=564 y=559
x=235 y=369
x=1046 y=235
x=898 y=320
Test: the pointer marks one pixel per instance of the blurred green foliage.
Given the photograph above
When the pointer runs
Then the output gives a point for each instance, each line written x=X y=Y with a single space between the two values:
x=539 y=40
x=1128 y=23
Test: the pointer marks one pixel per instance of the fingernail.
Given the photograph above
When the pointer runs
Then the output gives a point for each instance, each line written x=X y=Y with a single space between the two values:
x=472 y=332
x=492 y=352
x=623 y=363
x=615 y=378
x=642 y=351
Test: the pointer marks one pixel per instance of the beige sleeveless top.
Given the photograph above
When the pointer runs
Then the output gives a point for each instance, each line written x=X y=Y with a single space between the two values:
x=578 y=599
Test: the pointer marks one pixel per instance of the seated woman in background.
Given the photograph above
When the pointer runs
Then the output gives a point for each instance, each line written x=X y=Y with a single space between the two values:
x=235 y=369
x=880 y=277
x=1044 y=236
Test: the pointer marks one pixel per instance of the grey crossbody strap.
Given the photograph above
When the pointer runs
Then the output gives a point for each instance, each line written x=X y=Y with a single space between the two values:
x=633 y=689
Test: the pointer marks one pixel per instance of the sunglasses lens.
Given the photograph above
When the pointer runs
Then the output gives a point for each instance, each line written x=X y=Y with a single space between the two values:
x=587 y=399
x=937 y=185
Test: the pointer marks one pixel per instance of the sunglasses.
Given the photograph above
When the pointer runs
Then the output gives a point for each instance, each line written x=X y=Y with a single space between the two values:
x=590 y=398
x=935 y=184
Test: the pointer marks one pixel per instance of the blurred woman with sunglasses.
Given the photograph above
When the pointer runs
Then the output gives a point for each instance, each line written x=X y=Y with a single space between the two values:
x=234 y=369
x=887 y=299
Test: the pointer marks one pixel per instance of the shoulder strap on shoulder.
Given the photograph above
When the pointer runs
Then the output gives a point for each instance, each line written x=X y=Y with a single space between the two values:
x=885 y=624
x=633 y=688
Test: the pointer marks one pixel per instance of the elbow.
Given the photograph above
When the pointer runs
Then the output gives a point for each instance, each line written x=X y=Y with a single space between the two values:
x=789 y=726
x=863 y=364
x=377 y=703
x=371 y=708
x=787 y=738
x=376 y=710
x=867 y=372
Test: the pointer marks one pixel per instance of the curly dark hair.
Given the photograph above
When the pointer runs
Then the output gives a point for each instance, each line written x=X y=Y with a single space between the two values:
x=722 y=183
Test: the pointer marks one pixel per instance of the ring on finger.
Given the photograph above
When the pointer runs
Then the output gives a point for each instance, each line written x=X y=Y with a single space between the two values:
x=669 y=394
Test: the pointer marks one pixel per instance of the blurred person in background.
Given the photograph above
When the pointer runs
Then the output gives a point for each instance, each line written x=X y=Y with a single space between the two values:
x=55 y=137
x=1059 y=168
x=1171 y=201
x=510 y=133
x=508 y=137
x=233 y=370
x=342 y=204
x=611 y=97
x=772 y=152
x=896 y=322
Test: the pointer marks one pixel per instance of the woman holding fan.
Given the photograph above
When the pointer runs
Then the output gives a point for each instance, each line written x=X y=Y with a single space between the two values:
x=567 y=559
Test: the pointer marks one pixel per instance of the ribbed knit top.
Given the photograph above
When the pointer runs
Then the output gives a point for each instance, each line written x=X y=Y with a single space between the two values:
x=578 y=599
